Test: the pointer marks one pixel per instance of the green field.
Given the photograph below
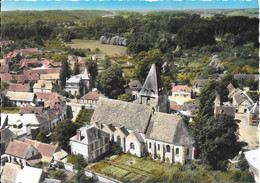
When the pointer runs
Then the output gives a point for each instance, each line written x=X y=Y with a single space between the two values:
x=107 y=49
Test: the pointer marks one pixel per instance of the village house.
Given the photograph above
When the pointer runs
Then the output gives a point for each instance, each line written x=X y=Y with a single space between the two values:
x=21 y=98
x=180 y=94
x=27 y=51
x=46 y=150
x=30 y=63
x=21 y=153
x=45 y=86
x=133 y=88
x=252 y=114
x=225 y=110
x=91 y=98
x=17 y=173
x=198 y=84
x=79 y=84
x=240 y=101
x=55 y=77
x=6 y=136
x=91 y=142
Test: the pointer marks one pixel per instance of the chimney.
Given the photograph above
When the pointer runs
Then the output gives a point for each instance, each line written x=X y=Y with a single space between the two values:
x=27 y=129
x=78 y=136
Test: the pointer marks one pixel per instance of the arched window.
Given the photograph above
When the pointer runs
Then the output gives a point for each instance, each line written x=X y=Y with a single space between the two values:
x=132 y=146
x=168 y=149
x=188 y=152
x=177 y=151
x=118 y=139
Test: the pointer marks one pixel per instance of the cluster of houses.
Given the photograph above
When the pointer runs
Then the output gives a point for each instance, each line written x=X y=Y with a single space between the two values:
x=155 y=123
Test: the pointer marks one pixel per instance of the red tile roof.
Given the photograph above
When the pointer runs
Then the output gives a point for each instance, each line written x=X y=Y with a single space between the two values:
x=6 y=77
x=17 y=148
x=30 y=109
x=27 y=62
x=175 y=107
x=42 y=71
x=135 y=84
x=183 y=88
x=92 y=96
x=21 y=78
x=4 y=67
x=45 y=149
x=18 y=87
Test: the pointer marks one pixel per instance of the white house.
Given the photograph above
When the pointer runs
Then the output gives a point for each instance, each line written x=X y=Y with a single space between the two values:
x=91 y=142
x=79 y=82
x=254 y=162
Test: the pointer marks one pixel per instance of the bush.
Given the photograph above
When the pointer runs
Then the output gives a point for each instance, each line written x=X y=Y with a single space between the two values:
x=60 y=165
x=57 y=174
x=78 y=161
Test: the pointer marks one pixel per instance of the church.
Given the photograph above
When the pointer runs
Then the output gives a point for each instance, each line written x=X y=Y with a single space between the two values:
x=145 y=126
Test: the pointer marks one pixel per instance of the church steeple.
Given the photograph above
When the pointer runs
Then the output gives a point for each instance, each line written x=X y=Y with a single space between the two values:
x=153 y=92
x=153 y=86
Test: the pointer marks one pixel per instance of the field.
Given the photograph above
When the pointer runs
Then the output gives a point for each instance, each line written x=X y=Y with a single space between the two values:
x=104 y=48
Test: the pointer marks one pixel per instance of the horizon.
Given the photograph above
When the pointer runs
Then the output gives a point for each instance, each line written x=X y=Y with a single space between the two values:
x=127 y=5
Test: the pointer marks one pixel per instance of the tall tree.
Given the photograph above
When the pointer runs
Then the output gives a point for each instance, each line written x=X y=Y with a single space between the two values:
x=92 y=68
x=76 y=68
x=220 y=141
x=110 y=82
x=63 y=132
x=65 y=73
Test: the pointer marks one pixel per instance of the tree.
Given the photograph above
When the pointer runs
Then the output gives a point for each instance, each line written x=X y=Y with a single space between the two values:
x=220 y=141
x=42 y=137
x=144 y=60
x=63 y=132
x=83 y=116
x=222 y=91
x=78 y=161
x=106 y=63
x=124 y=97
x=58 y=174
x=110 y=82
x=76 y=68
x=4 y=85
x=92 y=68
x=115 y=148
x=5 y=102
x=64 y=73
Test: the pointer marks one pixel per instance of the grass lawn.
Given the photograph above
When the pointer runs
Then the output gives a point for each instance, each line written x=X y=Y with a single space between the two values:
x=93 y=44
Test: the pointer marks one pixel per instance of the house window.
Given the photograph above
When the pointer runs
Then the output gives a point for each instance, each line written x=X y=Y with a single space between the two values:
x=177 y=151
x=158 y=147
x=101 y=150
x=245 y=110
x=91 y=147
x=101 y=142
x=150 y=145
x=106 y=147
x=118 y=139
x=132 y=146
x=188 y=152
x=106 y=140
x=96 y=144
x=168 y=149
x=32 y=153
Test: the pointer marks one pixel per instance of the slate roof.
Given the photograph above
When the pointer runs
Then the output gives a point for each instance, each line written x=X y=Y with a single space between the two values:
x=132 y=116
x=181 y=88
x=20 y=96
x=193 y=108
x=228 y=110
x=254 y=109
x=92 y=96
x=123 y=131
x=153 y=86
x=17 y=148
x=19 y=87
x=6 y=135
x=89 y=134
x=135 y=84
x=169 y=128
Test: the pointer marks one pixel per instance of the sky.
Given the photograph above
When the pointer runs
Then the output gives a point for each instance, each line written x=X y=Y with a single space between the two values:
x=126 y=4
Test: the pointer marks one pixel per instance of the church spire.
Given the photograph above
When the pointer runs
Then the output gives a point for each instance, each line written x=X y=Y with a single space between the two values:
x=153 y=86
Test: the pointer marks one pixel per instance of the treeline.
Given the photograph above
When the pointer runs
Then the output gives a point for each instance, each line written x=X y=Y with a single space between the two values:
x=163 y=31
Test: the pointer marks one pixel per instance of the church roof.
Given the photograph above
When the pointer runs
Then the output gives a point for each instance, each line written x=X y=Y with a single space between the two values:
x=153 y=86
x=132 y=116
x=169 y=128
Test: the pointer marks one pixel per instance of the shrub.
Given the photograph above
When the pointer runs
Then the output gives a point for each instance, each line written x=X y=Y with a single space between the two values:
x=60 y=164
x=57 y=174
